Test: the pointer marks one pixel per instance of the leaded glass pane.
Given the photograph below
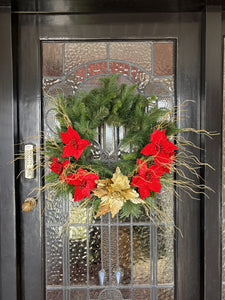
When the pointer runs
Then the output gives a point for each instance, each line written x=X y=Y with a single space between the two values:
x=78 y=247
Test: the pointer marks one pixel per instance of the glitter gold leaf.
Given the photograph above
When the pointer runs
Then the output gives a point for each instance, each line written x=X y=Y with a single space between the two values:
x=114 y=192
x=104 y=207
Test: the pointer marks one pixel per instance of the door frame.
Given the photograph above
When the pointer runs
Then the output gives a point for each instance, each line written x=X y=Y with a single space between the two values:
x=16 y=272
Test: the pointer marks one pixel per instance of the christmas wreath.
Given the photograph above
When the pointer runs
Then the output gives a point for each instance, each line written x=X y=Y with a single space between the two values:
x=131 y=181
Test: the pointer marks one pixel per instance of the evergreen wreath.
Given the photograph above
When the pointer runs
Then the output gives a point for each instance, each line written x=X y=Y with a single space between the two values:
x=124 y=186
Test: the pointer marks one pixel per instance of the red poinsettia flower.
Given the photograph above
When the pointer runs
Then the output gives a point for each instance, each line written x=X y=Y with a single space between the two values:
x=164 y=161
x=74 y=144
x=57 y=167
x=84 y=181
x=147 y=179
x=159 y=144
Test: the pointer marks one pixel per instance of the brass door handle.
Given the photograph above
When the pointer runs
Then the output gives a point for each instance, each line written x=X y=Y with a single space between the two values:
x=29 y=204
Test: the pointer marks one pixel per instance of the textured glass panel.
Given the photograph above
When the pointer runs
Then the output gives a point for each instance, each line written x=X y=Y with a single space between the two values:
x=52 y=59
x=54 y=295
x=139 y=77
x=156 y=88
x=77 y=54
x=124 y=220
x=138 y=53
x=56 y=216
x=78 y=258
x=78 y=294
x=54 y=252
x=60 y=88
x=223 y=291
x=75 y=81
x=124 y=259
x=96 y=68
x=48 y=83
x=166 y=203
x=110 y=293
x=119 y=68
x=126 y=293
x=107 y=243
x=94 y=293
x=165 y=102
x=91 y=84
x=165 y=294
x=167 y=82
x=142 y=218
x=141 y=294
x=141 y=255
x=165 y=255
x=94 y=254
x=76 y=78
x=163 y=59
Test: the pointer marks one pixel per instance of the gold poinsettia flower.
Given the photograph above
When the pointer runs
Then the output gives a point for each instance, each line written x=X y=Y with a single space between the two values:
x=114 y=192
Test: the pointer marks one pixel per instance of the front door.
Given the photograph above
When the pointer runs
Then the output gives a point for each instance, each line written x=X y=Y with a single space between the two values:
x=69 y=53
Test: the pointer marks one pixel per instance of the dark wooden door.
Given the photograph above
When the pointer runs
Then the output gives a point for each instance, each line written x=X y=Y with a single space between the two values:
x=34 y=33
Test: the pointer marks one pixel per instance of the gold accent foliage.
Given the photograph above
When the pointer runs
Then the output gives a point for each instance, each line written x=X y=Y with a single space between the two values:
x=114 y=192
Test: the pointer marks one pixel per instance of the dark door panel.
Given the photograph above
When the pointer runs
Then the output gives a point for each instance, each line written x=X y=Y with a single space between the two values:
x=34 y=29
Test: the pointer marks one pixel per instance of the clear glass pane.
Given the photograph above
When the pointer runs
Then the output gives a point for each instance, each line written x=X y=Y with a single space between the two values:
x=78 y=250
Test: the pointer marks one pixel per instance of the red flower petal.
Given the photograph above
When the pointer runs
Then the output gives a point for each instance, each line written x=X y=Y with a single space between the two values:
x=160 y=146
x=148 y=179
x=84 y=182
x=149 y=149
x=164 y=161
x=69 y=134
x=72 y=179
x=78 y=195
x=91 y=179
x=74 y=145
x=56 y=165
x=142 y=167
x=158 y=136
x=82 y=144
x=65 y=163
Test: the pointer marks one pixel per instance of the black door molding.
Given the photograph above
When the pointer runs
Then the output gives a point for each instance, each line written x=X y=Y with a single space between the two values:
x=212 y=115
x=8 y=262
x=186 y=29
